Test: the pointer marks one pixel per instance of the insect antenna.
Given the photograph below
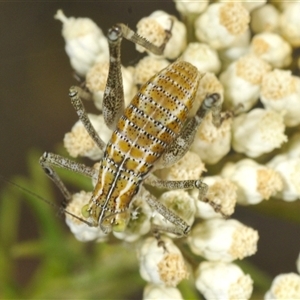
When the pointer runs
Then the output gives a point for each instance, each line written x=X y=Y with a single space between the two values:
x=61 y=209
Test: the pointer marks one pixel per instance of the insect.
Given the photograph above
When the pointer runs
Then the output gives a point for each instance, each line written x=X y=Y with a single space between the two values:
x=153 y=132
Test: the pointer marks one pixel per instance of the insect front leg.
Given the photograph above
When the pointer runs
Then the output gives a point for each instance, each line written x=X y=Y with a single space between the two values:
x=83 y=117
x=113 y=99
x=50 y=160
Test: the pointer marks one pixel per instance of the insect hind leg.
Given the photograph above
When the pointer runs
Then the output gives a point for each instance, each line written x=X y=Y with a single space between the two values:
x=182 y=144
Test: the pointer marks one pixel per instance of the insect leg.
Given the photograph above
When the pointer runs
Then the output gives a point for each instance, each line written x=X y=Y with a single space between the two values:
x=185 y=139
x=132 y=36
x=180 y=228
x=113 y=99
x=83 y=117
x=185 y=184
x=50 y=160
x=178 y=184
x=182 y=144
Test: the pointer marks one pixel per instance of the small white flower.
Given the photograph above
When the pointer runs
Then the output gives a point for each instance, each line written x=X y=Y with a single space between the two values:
x=289 y=23
x=153 y=29
x=219 y=281
x=265 y=18
x=289 y=169
x=203 y=57
x=187 y=168
x=280 y=91
x=191 y=7
x=203 y=209
x=223 y=240
x=148 y=67
x=272 y=48
x=241 y=81
x=181 y=203
x=250 y=5
x=79 y=143
x=82 y=231
x=159 y=292
x=160 y=266
x=255 y=182
x=85 y=42
x=284 y=286
x=212 y=143
x=239 y=48
x=221 y=24
x=221 y=192
x=257 y=132
x=209 y=83
x=96 y=79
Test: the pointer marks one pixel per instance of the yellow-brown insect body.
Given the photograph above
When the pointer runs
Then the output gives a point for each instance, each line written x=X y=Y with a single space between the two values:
x=148 y=126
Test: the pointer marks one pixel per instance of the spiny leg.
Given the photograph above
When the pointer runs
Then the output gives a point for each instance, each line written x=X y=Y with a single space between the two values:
x=180 y=228
x=83 y=117
x=50 y=160
x=185 y=185
x=132 y=36
x=181 y=145
x=183 y=142
x=113 y=99
x=178 y=185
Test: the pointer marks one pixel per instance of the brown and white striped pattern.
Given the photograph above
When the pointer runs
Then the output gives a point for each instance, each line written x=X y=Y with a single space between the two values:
x=150 y=123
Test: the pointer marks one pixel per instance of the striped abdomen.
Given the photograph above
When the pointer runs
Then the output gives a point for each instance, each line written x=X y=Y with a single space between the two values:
x=150 y=123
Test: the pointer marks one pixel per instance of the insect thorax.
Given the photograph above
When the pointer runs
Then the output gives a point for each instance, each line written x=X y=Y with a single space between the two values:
x=150 y=123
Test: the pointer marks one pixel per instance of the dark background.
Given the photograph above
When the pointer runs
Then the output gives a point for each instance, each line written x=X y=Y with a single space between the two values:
x=35 y=110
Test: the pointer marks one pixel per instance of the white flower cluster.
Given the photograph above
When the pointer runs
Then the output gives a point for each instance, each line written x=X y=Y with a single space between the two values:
x=241 y=48
x=284 y=286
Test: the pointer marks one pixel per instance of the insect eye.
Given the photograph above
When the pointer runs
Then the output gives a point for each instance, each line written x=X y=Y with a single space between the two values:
x=114 y=33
